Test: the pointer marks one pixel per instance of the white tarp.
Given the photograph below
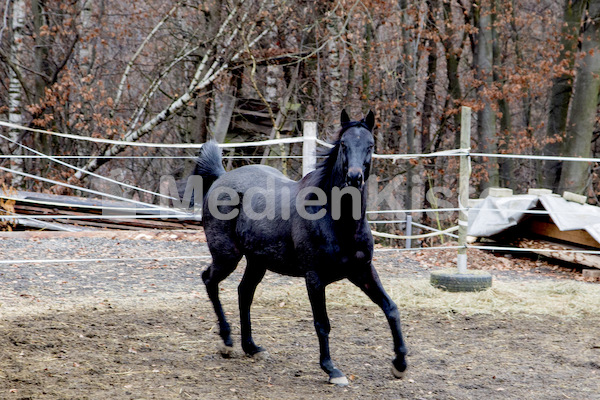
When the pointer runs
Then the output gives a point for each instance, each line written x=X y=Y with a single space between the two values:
x=569 y=216
x=496 y=214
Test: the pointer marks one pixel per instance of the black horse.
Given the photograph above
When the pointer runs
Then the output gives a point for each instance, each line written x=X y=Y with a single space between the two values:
x=315 y=228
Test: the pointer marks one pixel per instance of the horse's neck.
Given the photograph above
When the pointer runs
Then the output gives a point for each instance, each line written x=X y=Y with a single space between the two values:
x=337 y=180
x=328 y=180
x=347 y=219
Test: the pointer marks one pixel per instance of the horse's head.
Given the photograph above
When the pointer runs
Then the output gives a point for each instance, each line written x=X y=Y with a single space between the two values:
x=356 y=148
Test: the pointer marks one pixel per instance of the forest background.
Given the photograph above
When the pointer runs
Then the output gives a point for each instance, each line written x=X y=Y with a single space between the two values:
x=248 y=70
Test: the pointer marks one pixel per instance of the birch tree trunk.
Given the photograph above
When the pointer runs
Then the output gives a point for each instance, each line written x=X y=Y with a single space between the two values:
x=367 y=64
x=87 y=51
x=560 y=95
x=274 y=72
x=42 y=67
x=333 y=66
x=15 y=93
x=580 y=128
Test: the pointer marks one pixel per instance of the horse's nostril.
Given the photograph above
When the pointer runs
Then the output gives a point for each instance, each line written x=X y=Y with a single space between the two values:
x=354 y=178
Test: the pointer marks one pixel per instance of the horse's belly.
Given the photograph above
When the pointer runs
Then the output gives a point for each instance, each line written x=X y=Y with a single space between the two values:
x=269 y=245
x=276 y=258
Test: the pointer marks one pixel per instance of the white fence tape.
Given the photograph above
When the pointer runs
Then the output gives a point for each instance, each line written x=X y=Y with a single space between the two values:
x=158 y=145
x=103 y=216
x=80 y=260
x=53 y=159
x=397 y=249
x=444 y=153
x=13 y=156
x=534 y=157
x=417 y=210
x=422 y=236
x=393 y=157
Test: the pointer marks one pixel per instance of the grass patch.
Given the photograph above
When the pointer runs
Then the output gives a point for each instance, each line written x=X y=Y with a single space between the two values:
x=566 y=299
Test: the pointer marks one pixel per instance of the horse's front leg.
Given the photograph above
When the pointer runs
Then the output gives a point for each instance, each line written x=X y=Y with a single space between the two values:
x=316 y=294
x=368 y=281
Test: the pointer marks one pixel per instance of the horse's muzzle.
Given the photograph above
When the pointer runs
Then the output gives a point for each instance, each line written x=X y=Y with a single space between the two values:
x=355 y=177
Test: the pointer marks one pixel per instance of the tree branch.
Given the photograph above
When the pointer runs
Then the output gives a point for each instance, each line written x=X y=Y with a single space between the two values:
x=215 y=70
x=137 y=54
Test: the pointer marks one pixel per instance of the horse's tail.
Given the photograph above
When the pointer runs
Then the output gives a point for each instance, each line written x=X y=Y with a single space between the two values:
x=209 y=165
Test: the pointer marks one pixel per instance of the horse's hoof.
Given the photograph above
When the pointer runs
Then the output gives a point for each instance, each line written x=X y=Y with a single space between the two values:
x=339 y=381
x=261 y=355
x=397 y=373
x=226 y=351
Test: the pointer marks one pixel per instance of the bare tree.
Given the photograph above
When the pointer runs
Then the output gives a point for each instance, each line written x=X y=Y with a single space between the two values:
x=217 y=56
x=483 y=60
x=580 y=128
x=562 y=89
x=408 y=66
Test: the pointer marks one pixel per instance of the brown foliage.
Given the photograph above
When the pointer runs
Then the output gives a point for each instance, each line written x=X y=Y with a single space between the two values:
x=358 y=55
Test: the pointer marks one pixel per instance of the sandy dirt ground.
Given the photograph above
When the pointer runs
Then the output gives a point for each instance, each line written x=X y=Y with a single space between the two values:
x=145 y=330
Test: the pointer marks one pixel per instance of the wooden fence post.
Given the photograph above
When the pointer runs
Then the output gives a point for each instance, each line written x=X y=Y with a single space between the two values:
x=309 y=147
x=463 y=188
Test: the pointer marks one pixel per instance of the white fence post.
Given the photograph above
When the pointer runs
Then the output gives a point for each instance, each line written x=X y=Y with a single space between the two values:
x=309 y=147
x=463 y=188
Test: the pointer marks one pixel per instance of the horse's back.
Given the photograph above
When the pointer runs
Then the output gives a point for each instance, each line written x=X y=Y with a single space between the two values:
x=243 y=178
x=261 y=229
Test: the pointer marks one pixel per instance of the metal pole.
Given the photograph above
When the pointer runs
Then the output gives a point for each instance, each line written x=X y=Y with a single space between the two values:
x=463 y=188
x=309 y=147
x=408 y=231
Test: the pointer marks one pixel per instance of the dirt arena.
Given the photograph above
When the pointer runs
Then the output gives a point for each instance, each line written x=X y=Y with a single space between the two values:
x=145 y=330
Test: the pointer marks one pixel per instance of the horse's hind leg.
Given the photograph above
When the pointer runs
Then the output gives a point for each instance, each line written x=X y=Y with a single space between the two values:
x=220 y=269
x=246 y=289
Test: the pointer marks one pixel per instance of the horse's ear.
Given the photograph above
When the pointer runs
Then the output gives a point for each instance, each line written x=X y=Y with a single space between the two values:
x=344 y=118
x=370 y=120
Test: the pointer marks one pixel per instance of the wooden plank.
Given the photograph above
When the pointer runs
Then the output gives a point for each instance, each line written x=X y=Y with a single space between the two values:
x=51 y=200
x=556 y=250
x=550 y=230
x=127 y=223
x=107 y=225
x=45 y=225
x=116 y=223
x=591 y=273
x=196 y=235
x=35 y=204
x=249 y=126
x=259 y=114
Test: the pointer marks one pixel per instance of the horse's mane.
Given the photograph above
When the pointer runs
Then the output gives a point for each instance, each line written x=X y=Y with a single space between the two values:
x=323 y=170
